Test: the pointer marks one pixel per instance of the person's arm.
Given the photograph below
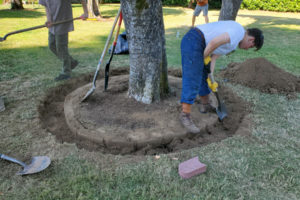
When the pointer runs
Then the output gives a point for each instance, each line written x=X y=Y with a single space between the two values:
x=49 y=18
x=215 y=43
x=213 y=62
x=85 y=14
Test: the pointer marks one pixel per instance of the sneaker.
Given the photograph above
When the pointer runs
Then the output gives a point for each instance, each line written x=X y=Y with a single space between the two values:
x=205 y=108
x=186 y=121
x=74 y=64
x=62 y=77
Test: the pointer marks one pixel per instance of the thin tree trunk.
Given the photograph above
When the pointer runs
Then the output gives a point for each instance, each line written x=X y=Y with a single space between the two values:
x=17 y=5
x=146 y=38
x=229 y=9
x=93 y=9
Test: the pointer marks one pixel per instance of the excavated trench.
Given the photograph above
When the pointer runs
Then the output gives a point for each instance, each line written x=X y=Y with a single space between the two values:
x=110 y=122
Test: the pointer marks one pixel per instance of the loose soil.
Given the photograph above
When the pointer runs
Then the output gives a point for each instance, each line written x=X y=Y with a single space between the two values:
x=110 y=122
x=261 y=74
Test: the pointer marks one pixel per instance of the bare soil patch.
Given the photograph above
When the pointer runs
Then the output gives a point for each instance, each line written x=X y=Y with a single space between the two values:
x=129 y=127
x=261 y=74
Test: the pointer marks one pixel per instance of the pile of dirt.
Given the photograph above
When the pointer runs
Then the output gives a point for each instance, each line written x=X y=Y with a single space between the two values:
x=114 y=111
x=261 y=74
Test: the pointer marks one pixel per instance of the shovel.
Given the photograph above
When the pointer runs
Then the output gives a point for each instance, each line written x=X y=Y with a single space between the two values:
x=221 y=109
x=37 y=164
x=91 y=90
x=112 y=53
x=35 y=27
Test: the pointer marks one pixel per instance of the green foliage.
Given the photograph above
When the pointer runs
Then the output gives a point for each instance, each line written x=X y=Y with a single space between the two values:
x=184 y=3
x=110 y=1
x=272 y=5
x=176 y=2
x=212 y=3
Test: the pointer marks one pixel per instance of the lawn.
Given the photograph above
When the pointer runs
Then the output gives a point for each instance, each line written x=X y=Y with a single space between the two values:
x=264 y=166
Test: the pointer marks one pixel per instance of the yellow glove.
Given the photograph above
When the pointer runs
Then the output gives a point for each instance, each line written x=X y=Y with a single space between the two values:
x=207 y=60
x=213 y=86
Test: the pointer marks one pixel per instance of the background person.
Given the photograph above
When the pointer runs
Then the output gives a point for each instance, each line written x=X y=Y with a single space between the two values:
x=205 y=41
x=202 y=5
x=58 y=36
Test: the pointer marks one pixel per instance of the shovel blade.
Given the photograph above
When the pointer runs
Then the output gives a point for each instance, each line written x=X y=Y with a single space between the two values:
x=88 y=94
x=37 y=164
x=221 y=111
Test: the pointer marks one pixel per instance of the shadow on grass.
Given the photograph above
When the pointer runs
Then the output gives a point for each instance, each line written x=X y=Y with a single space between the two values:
x=26 y=13
x=39 y=60
x=280 y=33
x=113 y=12
x=107 y=13
x=267 y=21
x=22 y=59
x=172 y=11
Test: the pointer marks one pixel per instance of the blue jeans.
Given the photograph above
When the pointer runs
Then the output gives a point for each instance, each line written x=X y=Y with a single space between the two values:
x=194 y=74
x=198 y=10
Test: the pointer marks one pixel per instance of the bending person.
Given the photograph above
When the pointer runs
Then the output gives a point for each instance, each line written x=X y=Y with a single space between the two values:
x=212 y=39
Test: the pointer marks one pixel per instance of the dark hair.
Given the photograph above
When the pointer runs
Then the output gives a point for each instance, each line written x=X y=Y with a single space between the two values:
x=258 y=35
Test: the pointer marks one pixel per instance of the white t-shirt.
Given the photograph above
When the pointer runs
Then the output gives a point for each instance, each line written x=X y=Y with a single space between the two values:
x=235 y=31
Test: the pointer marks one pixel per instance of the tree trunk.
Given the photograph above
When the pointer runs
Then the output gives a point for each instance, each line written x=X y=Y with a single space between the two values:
x=229 y=9
x=146 y=39
x=16 y=5
x=93 y=9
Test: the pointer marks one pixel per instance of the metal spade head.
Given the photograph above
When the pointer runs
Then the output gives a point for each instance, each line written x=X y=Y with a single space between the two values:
x=221 y=111
x=88 y=93
x=36 y=165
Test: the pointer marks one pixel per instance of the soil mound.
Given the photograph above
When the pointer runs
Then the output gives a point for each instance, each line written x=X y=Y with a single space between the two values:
x=114 y=114
x=261 y=74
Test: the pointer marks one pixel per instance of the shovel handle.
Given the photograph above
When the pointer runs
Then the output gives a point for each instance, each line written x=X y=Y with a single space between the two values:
x=37 y=27
x=105 y=47
x=4 y=157
x=211 y=77
x=112 y=52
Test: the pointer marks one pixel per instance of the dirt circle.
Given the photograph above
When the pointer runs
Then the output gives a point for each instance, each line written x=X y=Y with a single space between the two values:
x=111 y=122
x=261 y=74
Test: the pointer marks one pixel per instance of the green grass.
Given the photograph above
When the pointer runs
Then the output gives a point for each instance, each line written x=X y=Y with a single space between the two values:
x=263 y=167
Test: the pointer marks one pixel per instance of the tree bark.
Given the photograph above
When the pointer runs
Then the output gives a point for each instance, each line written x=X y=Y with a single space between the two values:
x=229 y=9
x=17 y=5
x=146 y=39
x=93 y=9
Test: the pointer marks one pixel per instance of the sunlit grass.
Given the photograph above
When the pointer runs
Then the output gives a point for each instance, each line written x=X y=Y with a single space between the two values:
x=263 y=167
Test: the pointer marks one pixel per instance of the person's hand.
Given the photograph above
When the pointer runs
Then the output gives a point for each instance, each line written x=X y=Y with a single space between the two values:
x=48 y=24
x=212 y=85
x=207 y=60
x=84 y=16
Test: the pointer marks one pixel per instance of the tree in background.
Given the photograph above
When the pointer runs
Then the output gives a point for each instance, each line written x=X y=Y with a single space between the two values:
x=16 y=4
x=93 y=9
x=146 y=38
x=229 y=9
